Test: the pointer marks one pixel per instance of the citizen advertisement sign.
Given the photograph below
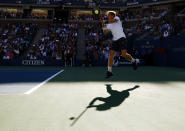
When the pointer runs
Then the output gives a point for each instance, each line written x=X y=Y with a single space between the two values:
x=33 y=62
x=20 y=62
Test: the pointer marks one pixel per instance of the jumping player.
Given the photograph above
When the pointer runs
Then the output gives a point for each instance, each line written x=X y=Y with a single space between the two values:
x=119 y=40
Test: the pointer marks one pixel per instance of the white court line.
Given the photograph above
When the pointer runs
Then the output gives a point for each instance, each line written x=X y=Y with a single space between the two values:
x=36 y=87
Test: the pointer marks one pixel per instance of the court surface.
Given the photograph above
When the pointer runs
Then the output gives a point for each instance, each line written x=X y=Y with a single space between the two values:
x=149 y=99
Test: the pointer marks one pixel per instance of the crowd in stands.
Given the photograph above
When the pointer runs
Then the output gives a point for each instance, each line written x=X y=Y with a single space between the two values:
x=10 y=15
x=84 y=17
x=58 y=42
x=96 y=48
x=20 y=15
x=142 y=14
x=15 y=39
x=53 y=1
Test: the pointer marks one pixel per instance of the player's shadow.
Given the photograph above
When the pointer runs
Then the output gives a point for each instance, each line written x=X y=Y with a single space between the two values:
x=114 y=100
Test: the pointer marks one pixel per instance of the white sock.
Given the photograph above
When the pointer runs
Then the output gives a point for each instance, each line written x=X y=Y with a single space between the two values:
x=109 y=69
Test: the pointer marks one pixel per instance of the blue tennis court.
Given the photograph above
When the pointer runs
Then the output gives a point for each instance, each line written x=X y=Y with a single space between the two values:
x=24 y=81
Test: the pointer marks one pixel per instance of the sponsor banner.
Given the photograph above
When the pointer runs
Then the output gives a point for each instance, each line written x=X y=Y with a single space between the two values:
x=33 y=62
x=20 y=62
x=122 y=62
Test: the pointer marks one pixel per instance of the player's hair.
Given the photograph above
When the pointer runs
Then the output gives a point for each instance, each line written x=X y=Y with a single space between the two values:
x=113 y=13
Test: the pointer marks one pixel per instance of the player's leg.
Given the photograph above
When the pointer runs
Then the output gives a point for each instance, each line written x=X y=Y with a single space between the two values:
x=110 y=60
x=129 y=58
x=110 y=63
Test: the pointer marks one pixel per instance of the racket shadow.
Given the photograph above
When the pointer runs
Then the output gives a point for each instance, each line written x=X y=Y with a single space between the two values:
x=76 y=119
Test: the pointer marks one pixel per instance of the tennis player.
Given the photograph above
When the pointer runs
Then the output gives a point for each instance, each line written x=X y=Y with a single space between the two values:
x=119 y=40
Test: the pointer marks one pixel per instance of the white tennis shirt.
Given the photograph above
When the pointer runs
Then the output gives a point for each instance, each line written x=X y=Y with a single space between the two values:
x=116 y=29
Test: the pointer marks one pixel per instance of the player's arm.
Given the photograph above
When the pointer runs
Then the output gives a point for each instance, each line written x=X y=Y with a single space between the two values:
x=105 y=30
